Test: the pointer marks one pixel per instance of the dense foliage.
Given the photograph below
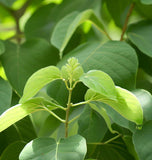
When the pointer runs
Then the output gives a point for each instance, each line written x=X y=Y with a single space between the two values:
x=75 y=80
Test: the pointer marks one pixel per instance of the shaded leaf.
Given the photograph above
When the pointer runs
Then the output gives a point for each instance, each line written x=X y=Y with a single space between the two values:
x=2 y=48
x=20 y=62
x=20 y=111
x=38 y=80
x=142 y=140
x=5 y=95
x=45 y=148
x=67 y=26
x=13 y=151
x=90 y=122
x=140 y=35
x=117 y=59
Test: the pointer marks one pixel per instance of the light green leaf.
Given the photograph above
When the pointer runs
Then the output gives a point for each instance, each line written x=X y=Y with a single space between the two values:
x=5 y=95
x=38 y=80
x=146 y=2
x=99 y=82
x=21 y=61
x=2 y=48
x=20 y=111
x=91 y=122
x=67 y=26
x=117 y=59
x=126 y=104
x=140 y=35
x=142 y=140
x=71 y=148
x=12 y=151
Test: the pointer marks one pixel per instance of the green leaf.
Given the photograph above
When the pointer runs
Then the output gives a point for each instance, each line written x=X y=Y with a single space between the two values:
x=146 y=2
x=121 y=57
x=2 y=48
x=142 y=140
x=126 y=104
x=91 y=122
x=99 y=82
x=38 y=80
x=140 y=35
x=51 y=14
x=20 y=111
x=145 y=99
x=118 y=9
x=12 y=151
x=72 y=148
x=21 y=61
x=5 y=95
x=67 y=26
x=7 y=3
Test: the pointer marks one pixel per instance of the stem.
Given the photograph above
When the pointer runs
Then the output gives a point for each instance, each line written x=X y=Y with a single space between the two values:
x=53 y=114
x=126 y=21
x=80 y=103
x=67 y=112
x=108 y=141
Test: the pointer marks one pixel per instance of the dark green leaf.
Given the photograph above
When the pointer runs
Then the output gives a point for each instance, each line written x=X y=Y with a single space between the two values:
x=50 y=14
x=2 y=48
x=5 y=95
x=140 y=35
x=142 y=140
x=117 y=59
x=12 y=151
x=118 y=10
x=72 y=148
x=145 y=99
x=90 y=122
x=20 y=62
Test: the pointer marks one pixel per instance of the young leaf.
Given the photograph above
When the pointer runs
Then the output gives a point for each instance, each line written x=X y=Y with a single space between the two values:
x=126 y=104
x=38 y=80
x=140 y=35
x=67 y=26
x=20 y=111
x=71 y=148
x=100 y=82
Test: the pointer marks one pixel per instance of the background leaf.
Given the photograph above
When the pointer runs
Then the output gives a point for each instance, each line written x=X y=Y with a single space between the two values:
x=20 y=62
x=146 y=1
x=139 y=34
x=5 y=95
x=144 y=136
x=121 y=57
x=2 y=48
x=65 y=149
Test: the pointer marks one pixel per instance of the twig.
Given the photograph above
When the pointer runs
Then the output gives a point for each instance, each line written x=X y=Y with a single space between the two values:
x=126 y=21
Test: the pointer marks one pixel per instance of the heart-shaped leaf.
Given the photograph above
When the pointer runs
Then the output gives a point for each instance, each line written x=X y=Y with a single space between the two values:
x=72 y=148
x=21 y=61
x=117 y=59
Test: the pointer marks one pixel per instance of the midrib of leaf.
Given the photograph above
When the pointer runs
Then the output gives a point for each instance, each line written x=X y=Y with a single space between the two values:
x=56 y=153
